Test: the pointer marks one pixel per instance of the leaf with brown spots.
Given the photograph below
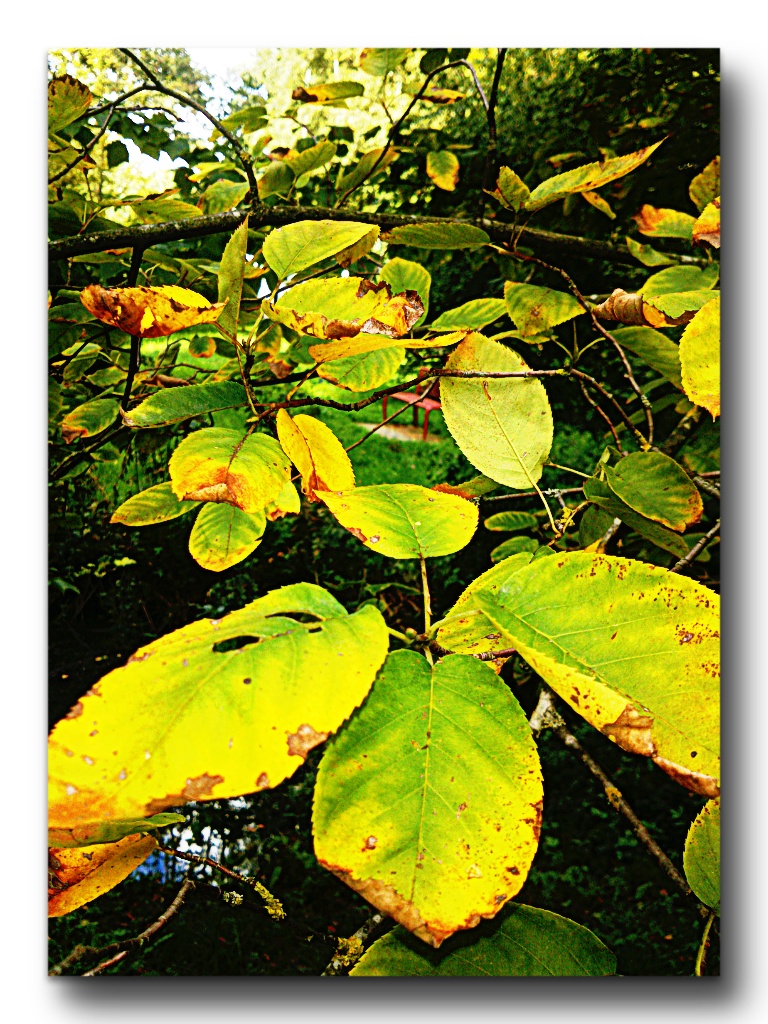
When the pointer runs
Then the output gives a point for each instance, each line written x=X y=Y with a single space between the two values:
x=316 y=452
x=428 y=802
x=632 y=647
x=192 y=716
x=149 y=312
x=77 y=876
x=68 y=99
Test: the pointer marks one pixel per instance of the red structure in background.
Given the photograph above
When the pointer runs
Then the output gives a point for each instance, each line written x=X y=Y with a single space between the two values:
x=425 y=401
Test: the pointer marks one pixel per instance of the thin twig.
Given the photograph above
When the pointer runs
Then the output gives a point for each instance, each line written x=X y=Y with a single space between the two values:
x=551 y=492
x=604 y=415
x=85 y=150
x=696 y=549
x=546 y=716
x=133 y=361
x=427 y=600
x=394 y=415
x=125 y=945
x=354 y=944
x=490 y=114
x=703 y=945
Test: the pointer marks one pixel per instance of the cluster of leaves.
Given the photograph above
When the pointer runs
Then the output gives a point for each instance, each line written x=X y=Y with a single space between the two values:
x=429 y=794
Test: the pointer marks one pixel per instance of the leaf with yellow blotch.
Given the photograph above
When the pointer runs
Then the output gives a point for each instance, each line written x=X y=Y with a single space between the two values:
x=428 y=802
x=511 y=191
x=359 y=344
x=404 y=520
x=316 y=452
x=109 y=831
x=443 y=169
x=188 y=719
x=287 y=503
x=89 y=419
x=700 y=358
x=78 y=876
x=534 y=309
x=503 y=426
x=156 y=504
x=707 y=227
x=221 y=465
x=631 y=647
x=441 y=97
x=587 y=178
x=363 y=371
x=224 y=535
x=68 y=99
x=706 y=186
x=344 y=307
x=149 y=312
x=330 y=92
x=660 y=223
x=297 y=246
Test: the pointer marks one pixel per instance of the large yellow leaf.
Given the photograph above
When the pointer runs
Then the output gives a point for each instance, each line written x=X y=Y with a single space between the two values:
x=150 y=312
x=316 y=452
x=77 y=876
x=183 y=720
x=218 y=464
x=700 y=357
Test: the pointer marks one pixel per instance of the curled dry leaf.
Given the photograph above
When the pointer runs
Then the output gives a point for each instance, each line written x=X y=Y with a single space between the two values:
x=149 y=312
x=632 y=309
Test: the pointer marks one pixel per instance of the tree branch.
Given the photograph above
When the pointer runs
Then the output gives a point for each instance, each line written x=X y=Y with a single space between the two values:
x=490 y=113
x=697 y=548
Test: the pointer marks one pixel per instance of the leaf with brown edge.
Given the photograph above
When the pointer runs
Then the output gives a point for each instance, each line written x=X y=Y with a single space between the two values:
x=344 y=307
x=511 y=191
x=404 y=520
x=316 y=452
x=328 y=92
x=443 y=169
x=185 y=720
x=68 y=99
x=78 y=876
x=707 y=227
x=661 y=223
x=89 y=419
x=428 y=802
x=631 y=647
x=657 y=487
x=221 y=465
x=149 y=312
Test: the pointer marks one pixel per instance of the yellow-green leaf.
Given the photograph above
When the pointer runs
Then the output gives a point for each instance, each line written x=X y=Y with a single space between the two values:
x=503 y=426
x=224 y=195
x=277 y=179
x=706 y=186
x=79 y=876
x=329 y=92
x=659 y=223
x=473 y=315
x=184 y=721
x=657 y=487
x=316 y=452
x=89 y=419
x=443 y=169
x=438 y=236
x=523 y=942
x=587 y=178
x=311 y=159
x=654 y=348
x=404 y=520
x=221 y=465
x=223 y=535
x=680 y=279
x=149 y=312
x=287 y=503
x=368 y=167
x=428 y=803
x=700 y=357
x=353 y=253
x=109 y=831
x=172 y=405
x=230 y=279
x=68 y=99
x=363 y=371
x=647 y=255
x=534 y=309
x=596 y=200
x=380 y=61
x=511 y=522
x=156 y=209
x=598 y=492
x=514 y=546
x=701 y=859
x=156 y=504
x=511 y=190
x=632 y=647
x=298 y=246
x=707 y=227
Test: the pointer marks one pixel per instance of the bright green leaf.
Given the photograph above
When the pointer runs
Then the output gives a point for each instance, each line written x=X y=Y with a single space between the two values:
x=189 y=722
x=89 y=419
x=524 y=942
x=404 y=520
x=438 y=236
x=156 y=504
x=514 y=546
x=313 y=158
x=473 y=315
x=647 y=255
x=511 y=522
x=679 y=303
x=428 y=803
x=298 y=246
x=230 y=279
x=363 y=372
x=503 y=426
x=172 y=405
x=680 y=279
